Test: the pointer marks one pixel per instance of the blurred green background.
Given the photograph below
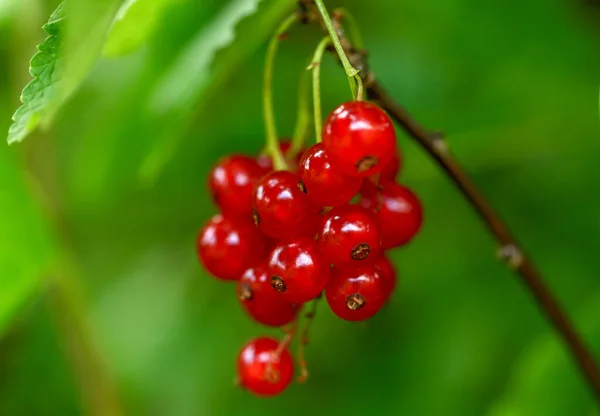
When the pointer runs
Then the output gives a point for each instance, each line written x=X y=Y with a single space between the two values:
x=101 y=295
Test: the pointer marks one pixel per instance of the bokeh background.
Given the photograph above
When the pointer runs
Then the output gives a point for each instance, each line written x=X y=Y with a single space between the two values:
x=101 y=295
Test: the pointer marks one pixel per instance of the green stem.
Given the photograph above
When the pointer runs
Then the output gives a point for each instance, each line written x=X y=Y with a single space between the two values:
x=360 y=92
x=272 y=141
x=350 y=71
x=303 y=119
x=351 y=27
x=315 y=66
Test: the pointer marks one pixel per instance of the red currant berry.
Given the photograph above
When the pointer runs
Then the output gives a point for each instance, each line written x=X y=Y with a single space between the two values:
x=398 y=212
x=350 y=234
x=232 y=182
x=262 y=370
x=356 y=293
x=360 y=138
x=391 y=169
x=389 y=273
x=298 y=270
x=228 y=246
x=281 y=208
x=260 y=300
x=325 y=185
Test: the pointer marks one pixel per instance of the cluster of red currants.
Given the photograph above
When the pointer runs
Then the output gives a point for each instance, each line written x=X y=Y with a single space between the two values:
x=286 y=236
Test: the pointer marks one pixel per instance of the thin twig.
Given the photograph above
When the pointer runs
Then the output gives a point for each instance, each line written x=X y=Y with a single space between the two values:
x=435 y=145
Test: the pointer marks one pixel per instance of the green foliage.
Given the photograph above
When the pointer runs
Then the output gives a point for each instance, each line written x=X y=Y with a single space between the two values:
x=42 y=90
x=195 y=78
x=543 y=381
x=134 y=23
x=25 y=244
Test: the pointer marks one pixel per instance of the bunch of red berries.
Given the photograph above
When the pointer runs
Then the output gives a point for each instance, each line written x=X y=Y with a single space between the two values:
x=288 y=235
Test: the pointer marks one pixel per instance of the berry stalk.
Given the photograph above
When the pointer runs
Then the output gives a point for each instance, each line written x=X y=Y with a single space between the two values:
x=350 y=71
x=315 y=66
x=302 y=119
x=272 y=142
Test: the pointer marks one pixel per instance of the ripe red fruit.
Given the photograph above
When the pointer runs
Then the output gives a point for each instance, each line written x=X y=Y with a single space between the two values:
x=232 y=182
x=356 y=293
x=360 y=138
x=262 y=371
x=260 y=300
x=298 y=270
x=398 y=212
x=325 y=185
x=228 y=246
x=389 y=273
x=350 y=234
x=281 y=208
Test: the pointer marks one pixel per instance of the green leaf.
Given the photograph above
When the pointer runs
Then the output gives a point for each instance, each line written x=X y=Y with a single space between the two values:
x=62 y=62
x=38 y=94
x=26 y=249
x=135 y=22
x=194 y=78
x=88 y=25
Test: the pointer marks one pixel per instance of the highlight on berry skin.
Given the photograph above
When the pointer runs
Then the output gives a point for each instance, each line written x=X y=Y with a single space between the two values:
x=299 y=222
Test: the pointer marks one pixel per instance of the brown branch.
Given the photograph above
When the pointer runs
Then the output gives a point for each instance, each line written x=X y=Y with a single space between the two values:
x=435 y=145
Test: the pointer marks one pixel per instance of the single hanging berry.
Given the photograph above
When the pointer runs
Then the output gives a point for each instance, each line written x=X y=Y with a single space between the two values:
x=298 y=270
x=260 y=300
x=360 y=138
x=281 y=208
x=398 y=212
x=262 y=369
x=350 y=235
x=232 y=182
x=356 y=293
x=325 y=185
x=228 y=246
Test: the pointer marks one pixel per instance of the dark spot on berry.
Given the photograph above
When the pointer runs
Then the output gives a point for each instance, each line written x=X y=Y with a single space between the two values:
x=245 y=292
x=278 y=284
x=302 y=187
x=355 y=301
x=361 y=251
x=255 y=217
x=366 y=163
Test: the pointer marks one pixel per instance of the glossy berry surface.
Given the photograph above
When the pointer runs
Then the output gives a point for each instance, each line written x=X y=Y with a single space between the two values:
x=232 y=182
x=228 y=246
x=280 y=206
x=260 y=301
x=350 y=234
x=398 y=212
x=325 y=185
x=389 y=273
x=261 y=371
x=356 y=293
x=360 y=138
x=298 y=271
